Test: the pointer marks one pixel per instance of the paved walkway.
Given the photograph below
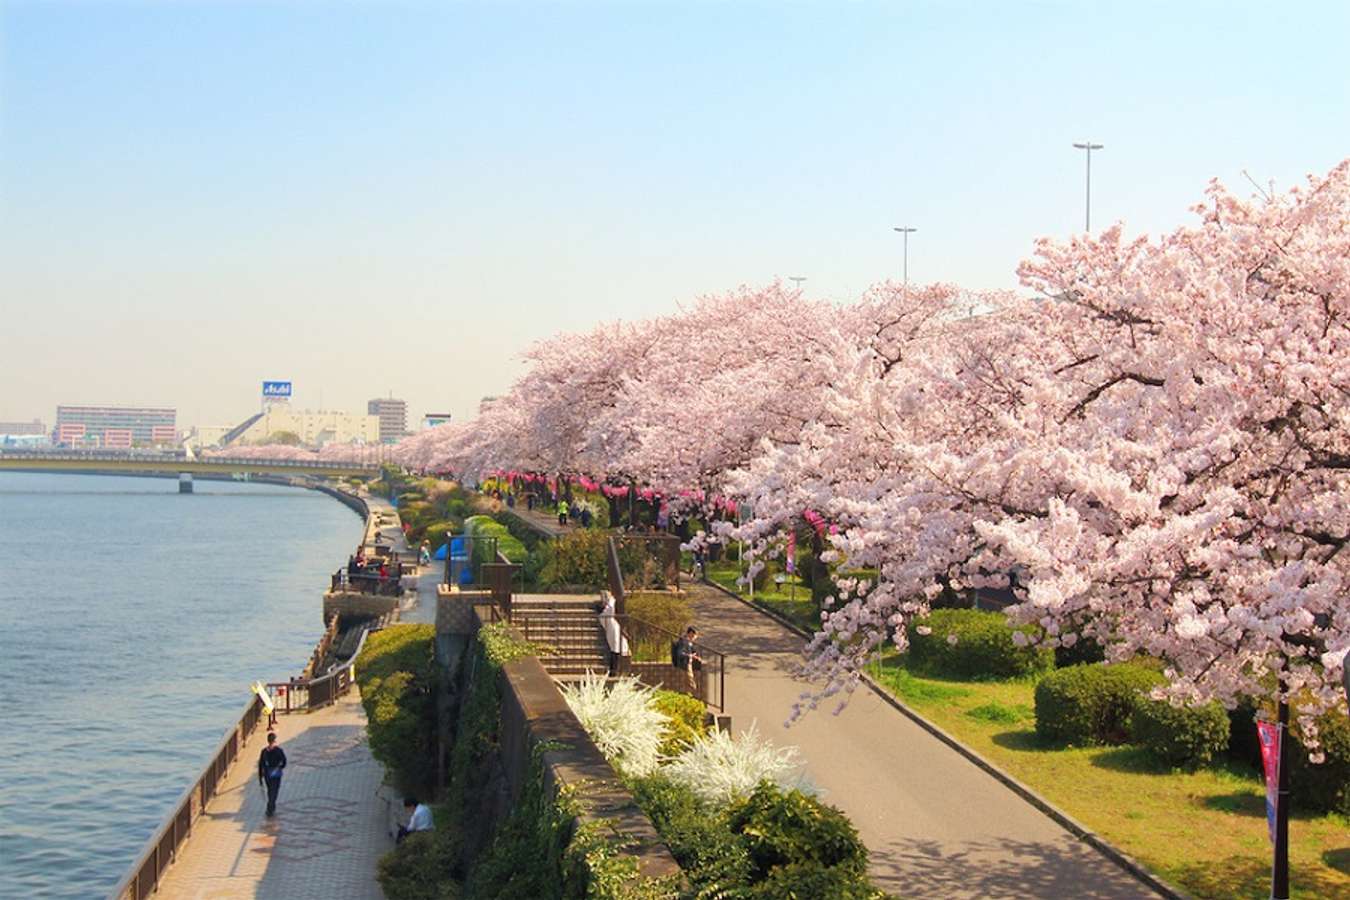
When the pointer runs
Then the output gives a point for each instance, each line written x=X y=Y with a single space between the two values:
x=936 y=825
x=331 y=826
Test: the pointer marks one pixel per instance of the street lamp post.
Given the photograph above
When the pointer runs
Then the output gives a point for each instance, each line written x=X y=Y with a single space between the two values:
x=1089 y=147
x=797 y=280
x=905 y=232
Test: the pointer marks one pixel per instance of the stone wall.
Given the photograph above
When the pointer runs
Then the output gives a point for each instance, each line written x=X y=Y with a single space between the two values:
x=534 y=712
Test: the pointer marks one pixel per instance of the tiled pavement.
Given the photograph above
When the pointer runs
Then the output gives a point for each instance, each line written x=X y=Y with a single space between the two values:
x=331 y=825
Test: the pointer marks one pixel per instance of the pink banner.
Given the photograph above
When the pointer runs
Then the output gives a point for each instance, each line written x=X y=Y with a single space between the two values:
x=1269 y=735
x=792 y=552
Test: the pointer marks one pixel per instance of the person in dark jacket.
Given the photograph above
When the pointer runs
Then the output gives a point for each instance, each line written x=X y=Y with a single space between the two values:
x=271 y=762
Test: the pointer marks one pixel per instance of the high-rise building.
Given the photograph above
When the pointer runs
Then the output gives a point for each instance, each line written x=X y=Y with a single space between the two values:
x=97 y=421
x=393 y=418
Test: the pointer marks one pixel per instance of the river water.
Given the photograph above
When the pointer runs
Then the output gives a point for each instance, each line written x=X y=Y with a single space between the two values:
x=132 y=621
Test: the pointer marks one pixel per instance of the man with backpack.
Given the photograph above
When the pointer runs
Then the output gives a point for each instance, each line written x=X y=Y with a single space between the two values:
x=271 y=762
x=684 y=655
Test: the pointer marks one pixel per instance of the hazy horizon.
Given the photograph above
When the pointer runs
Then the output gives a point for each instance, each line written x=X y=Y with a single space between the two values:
x=366 y=197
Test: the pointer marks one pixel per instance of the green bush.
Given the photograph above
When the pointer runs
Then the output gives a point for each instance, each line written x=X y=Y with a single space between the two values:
x=579 y=558
x=784 y=828
x=983 y=647
x=1181 y=736
x=688 y=720
x=399 y=679
x=437 y=532
x=811 y=881
x=420 y=867
x=1092 y=703
x=488 y=527
x=1325 y=786
x=715 y=861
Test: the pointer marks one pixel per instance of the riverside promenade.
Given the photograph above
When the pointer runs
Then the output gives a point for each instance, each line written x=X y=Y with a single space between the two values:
x=936 y=824
x=331 y=824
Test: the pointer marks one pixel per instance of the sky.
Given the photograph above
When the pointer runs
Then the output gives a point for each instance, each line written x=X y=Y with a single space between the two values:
x=376 y=197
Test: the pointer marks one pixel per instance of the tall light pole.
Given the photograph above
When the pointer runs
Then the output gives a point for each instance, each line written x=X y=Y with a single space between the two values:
x=905 y=232
x=1089 y=147
x=797 y=280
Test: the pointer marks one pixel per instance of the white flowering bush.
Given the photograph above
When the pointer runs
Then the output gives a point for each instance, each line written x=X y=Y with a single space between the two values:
x=622 y=720
x=718 y=767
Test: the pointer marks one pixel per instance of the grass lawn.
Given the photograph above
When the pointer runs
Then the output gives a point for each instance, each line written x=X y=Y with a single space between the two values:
x=791 y=599
x=1204 y=831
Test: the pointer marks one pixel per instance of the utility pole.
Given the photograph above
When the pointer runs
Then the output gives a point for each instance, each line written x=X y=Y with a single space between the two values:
x=1089 y=147
x=905 y=231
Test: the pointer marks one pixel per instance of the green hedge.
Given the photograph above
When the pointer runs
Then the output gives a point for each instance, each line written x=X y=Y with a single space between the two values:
x=983 y=648
x=1182 y=736
x=1325 y=786
x=488 y=527
x=688 y=720
x=399 y=681
x=578 y=558
x=1091 y=703
x=772 y=844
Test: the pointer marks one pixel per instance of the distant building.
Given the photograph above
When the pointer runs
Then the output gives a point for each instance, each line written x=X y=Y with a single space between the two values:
x=92 y=424
x=15 y=429
x=393 y=416
x=431 y=420
x=313 y=429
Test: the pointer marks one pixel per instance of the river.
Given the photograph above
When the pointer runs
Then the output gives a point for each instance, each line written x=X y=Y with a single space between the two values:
x=132 y=620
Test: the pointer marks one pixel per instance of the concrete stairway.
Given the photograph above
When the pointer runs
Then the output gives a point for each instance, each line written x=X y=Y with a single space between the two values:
x=569 y=626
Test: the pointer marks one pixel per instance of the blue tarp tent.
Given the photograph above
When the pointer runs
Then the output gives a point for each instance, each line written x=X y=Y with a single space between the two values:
x=440 y=552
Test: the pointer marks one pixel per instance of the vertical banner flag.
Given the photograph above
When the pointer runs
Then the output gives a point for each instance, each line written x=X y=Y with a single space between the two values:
x=1269 y=735
x=792 y=552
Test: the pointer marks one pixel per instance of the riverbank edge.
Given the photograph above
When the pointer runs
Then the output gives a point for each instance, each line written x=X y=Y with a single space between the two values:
x=356 y=504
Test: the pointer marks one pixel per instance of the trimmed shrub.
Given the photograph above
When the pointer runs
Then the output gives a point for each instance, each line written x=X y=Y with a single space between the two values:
x=800 y=881
x=488 y=527
x=579 y=558
x=713 y=859
x=1181 y=736
x=788 y=828
x=1084 y=650
x=971 y=643
x=688 y=720
x=654 y=617
x=437 y=532
x=398 y=677
x=419 y=868
x=1324 y=786
x=1091 y=704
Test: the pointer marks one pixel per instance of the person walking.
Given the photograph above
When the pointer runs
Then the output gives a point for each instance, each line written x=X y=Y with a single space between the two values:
x=562 y=512
x=424 y=554
x=271 y=762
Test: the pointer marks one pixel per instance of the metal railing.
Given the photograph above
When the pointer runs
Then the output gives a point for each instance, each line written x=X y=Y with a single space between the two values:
x=153 y=456
x=144 y=876
x=707 y=682
x=366 y=583
x=465 y=558
x=305 y=694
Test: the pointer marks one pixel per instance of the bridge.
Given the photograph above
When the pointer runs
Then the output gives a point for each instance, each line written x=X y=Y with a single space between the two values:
x=180 y=464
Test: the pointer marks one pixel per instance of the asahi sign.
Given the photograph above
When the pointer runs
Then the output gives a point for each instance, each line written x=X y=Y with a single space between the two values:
x=276 y=390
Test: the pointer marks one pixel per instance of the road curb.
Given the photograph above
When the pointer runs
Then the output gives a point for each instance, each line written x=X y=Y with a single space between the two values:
x=1084 y=834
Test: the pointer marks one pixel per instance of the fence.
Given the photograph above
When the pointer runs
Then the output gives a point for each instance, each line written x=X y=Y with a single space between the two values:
x=465 y=556
x=144 y=876
x=390 y=585
x=306 y=693
x=707 y=680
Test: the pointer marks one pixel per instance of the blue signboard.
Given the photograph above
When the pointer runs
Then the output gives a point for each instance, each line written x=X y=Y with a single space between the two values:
x=276 y=388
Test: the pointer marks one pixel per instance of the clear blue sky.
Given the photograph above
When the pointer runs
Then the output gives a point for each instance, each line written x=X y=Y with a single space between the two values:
x=366 y=197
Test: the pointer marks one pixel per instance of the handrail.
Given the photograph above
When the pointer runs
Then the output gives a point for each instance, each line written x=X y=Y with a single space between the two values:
x=160 y=850
x=328 y=692
x=152 y=457
x=714 y=660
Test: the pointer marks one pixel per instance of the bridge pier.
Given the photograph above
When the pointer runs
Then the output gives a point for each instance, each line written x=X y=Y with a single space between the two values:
x=184 y=482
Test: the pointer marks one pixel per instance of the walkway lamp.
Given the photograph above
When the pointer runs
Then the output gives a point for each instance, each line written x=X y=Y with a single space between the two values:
x=1088 y=146
x=905 y=231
